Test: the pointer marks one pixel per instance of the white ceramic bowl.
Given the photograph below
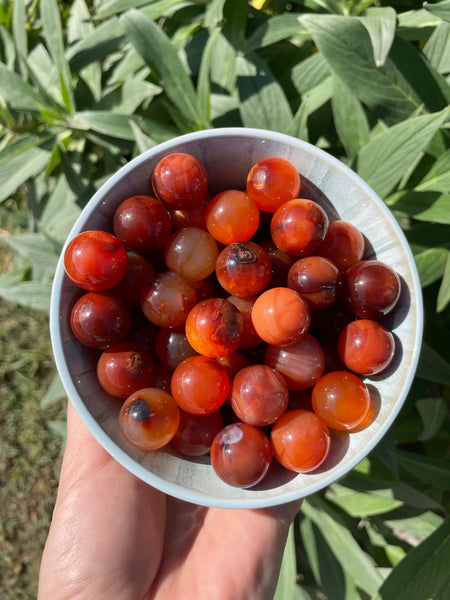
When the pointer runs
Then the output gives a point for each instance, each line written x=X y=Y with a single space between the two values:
x=228 y=155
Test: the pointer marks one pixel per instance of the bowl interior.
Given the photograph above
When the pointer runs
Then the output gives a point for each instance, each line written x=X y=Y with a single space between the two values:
x=228 y=154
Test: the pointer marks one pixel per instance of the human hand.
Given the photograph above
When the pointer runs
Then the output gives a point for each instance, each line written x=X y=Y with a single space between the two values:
x=113 y=537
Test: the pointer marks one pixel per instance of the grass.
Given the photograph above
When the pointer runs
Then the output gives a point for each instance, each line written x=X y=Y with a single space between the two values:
x=30 y=452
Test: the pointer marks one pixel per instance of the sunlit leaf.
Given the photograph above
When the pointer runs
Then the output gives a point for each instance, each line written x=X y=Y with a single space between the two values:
x=423 y=572
x=275 y=29
x=431 y=264
x=352 y=558
x=18 y=92
x=440 y=9
x=385 y=159
x=349 y=118
x=53 y=34
x=444 y=291
x=155 y=47
x=380 y=23
x=263 y=103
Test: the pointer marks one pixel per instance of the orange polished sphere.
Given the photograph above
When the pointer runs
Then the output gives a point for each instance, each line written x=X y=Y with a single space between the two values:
x=280 y=316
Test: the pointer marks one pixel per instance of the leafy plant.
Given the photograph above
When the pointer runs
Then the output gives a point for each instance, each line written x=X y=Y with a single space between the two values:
x=87 y=85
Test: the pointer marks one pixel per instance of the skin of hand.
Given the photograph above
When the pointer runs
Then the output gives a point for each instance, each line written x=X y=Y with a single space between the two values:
x=113 y=536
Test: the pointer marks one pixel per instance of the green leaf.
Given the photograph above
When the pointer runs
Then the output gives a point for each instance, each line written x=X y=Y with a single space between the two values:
x=346 y=46
x=17 y=92
x=380 y=23
x=31 y=294
x=19 y=162
x=287 y=585
x=437 y=48
x=312 y=100
x=438 y=177
x=383 y=161
x=327 y=570
x=275 y=29
x=54 y=393
x=53 y=34
x=349 y=118
x=156 y=9
x=158 y=52
x=20 y=34
x=203 y=83
x=431 y=264
x=433 y=412
x=363 y=504
x=310 y=72
x=444 y=291
x=440 y=9
x=425 y=469
x=352 y=558
x=105 y=122
x=414 y=530
x=393 y=91
x=126 y=98
x=143 y=141
x=263 y=103
x=35 y=248
x=432 y=366
x=424 y=570
x=428 y=206
x=96 y=45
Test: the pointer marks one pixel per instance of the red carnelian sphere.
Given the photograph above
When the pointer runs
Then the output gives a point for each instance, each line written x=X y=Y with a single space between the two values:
x=191 y=252
x=341 y=399
x=95 y=260
x=366 y=347
x=149 y=419
x=317 y=279
x=143 y=224
x=280 y=316
x=139 y=272
x=301 y=364
x=200 y=385
x=371 y=289
x=299 y=227
x=243 y=269
x=344 y=244
x=125 y=368
x=232 y=216
x=271 y=182
x=172 y=346
x=214 y=327
x=259 y=395
x=180 y=181
x=167 y=299
x=300 y=440
x=100 y=320
x=195 y=433
x=241 y=455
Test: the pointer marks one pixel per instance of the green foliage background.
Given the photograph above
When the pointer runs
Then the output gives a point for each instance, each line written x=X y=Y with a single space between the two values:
x=85 y=86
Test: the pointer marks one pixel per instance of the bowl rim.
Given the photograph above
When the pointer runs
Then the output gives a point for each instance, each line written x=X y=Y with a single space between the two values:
x=172 y=488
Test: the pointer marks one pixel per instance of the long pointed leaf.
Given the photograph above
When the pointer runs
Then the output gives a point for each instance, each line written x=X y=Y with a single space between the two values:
x=156 y=49
x=423 y=573
x=383 y=161
x=18 y=92
x=263 y=103
x=52 y=30
x=347 y=551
